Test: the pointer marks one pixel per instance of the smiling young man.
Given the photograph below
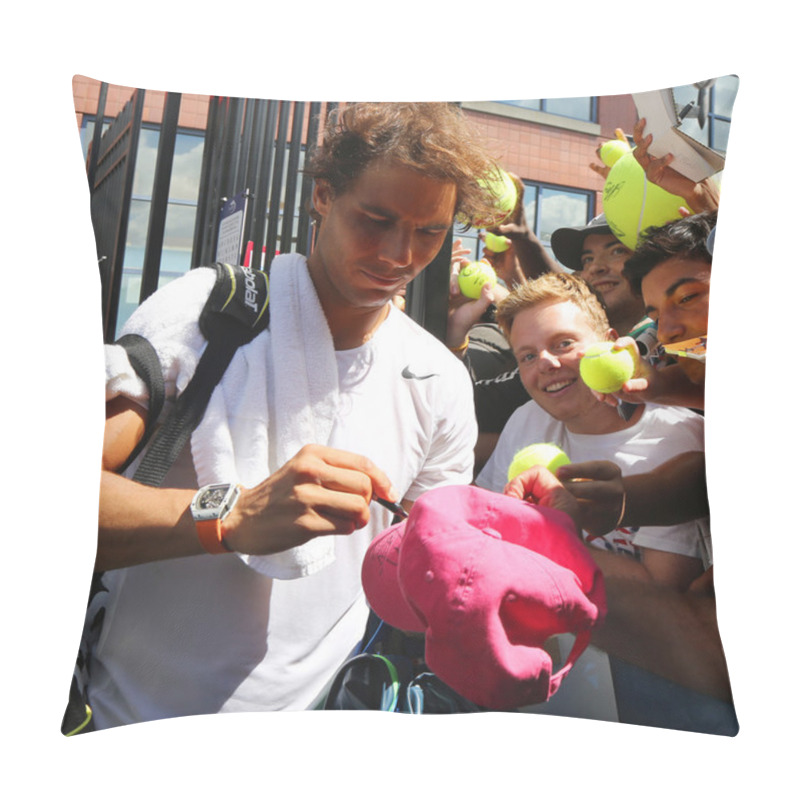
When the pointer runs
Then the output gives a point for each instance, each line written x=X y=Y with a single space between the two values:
x=550 y=322
x=344 y=398
x=594 y=253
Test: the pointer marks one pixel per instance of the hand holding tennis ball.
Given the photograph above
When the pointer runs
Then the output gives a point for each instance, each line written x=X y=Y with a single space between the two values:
x=473 y=276
x=495 y=243
x=547 y=455
x=605 y=370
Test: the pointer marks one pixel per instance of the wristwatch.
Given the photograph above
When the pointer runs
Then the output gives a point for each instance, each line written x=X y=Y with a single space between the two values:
x=209 y=507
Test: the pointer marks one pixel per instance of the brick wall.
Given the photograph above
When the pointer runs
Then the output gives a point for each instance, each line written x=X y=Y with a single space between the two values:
x=533 y=151
x=86 y=92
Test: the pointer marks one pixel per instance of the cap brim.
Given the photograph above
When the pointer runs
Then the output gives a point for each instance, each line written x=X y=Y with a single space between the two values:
x=567 y=243
x=379 y=578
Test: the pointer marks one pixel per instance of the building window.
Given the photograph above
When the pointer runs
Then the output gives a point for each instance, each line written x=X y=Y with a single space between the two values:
x=87 y=132
x=184 y=187
x=176 y=254
x=717 y=127
x=547 y=208
x=584 y=108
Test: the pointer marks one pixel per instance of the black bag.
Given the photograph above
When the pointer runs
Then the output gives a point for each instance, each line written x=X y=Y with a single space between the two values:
x=236 y=311
x=389 y=674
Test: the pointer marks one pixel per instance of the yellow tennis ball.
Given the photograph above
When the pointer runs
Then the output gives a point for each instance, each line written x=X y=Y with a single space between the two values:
x=502 y=187
x=632 y=204
x=473 y=276
x=604 y=369
x=495 y=243
x=611 y=151
x=546 y=455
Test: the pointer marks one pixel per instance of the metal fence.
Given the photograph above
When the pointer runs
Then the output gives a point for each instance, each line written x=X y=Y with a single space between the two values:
x=254 y=149
x=112 y=160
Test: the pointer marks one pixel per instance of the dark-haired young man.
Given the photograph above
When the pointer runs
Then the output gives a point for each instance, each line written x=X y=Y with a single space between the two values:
x=344 y=398
x=670 y=271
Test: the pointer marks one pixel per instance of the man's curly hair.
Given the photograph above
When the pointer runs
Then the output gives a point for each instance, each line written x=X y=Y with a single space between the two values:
x=434 y=139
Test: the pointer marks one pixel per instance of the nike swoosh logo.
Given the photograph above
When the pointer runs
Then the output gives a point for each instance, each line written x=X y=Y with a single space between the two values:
x=409 y=375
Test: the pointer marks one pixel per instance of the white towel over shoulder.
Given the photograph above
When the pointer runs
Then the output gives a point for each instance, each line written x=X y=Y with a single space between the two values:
x=290 y=369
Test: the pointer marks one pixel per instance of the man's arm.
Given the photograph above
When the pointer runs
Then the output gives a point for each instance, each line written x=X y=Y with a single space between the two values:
x=672 y=570
x=669 y=633
x=320 y=491
x=137 y=523
x=531 y=254
x=668 y=386
x=664 y=568
x=669 y=494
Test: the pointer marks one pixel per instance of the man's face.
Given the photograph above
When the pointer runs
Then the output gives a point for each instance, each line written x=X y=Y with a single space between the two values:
x=548 y=341
x=676 y=296
x=602 y=258
x=379 y=234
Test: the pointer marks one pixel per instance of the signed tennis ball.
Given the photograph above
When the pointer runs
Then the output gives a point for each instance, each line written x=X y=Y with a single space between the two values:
x=604 y=369
x=473 y=276
x=546 y=455
x=495 y=243
x=632 y=204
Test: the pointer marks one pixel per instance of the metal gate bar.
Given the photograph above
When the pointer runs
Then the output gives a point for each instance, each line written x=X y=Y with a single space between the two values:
x=111 y=192
x=159 y=204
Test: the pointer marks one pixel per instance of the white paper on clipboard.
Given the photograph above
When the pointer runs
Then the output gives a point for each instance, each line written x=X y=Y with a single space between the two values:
x=692 y=158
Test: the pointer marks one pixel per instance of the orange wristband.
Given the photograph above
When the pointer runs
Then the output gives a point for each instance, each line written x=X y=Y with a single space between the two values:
x=209 y=532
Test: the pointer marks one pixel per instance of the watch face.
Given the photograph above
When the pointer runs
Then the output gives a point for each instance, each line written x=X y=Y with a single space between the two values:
x=214 y=501
x=212 y=498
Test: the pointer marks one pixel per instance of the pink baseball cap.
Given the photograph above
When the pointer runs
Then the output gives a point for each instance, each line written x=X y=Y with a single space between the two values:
x=488 y=578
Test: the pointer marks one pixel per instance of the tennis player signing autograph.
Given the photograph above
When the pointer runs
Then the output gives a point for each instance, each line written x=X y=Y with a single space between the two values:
x=342 y=399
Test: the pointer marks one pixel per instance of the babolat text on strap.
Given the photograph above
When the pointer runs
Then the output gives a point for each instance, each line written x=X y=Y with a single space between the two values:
x=238 y=305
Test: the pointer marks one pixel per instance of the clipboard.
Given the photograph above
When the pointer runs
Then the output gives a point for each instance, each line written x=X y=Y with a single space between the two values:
x=692 y=158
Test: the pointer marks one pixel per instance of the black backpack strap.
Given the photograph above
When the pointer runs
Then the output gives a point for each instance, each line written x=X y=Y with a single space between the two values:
x=144 y=360
x=236 y=311
x=238 y=306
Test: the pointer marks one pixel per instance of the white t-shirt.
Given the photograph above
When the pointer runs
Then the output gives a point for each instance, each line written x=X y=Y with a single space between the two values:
x=660 y=433
x=207 y=633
